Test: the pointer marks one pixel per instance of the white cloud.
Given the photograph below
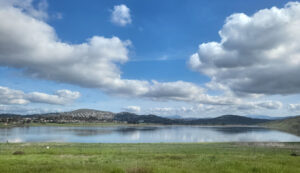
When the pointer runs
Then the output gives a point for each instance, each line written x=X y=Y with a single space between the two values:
x=270 y=104
x=61 y=97
x=121 y=15
x=204 y=110
x=258 y=54
x=134 y=109
x=294 y=107
x=183 y=110
x=33 y=46
x=9 y=96
x=25 y=109
x=38 y=11
x=30 y=44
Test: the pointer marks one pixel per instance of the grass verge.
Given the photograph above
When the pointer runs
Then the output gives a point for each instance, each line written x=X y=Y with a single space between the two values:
x=150 y=158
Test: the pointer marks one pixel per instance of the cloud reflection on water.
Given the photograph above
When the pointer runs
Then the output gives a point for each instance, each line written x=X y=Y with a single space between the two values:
x=146 y=134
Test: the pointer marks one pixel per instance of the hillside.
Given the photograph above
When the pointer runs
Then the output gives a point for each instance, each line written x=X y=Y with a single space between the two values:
x=75 y=116
x=226 y=120
x=135 y=119
x=153 y=119
x=89 y=115
x=291 y=125
x=131 y=118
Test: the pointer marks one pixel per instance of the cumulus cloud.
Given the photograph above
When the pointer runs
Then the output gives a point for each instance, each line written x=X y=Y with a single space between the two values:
x=121 y=15
x=32 y=45
x=204 y=110
x=9 y=96
x=270 y=104
x=258 y=54
x=134 y=109
x=61 y=97
x=25 y=109
x=185 y=91
x=38 y=11
x=294 y=107
x=167 y=111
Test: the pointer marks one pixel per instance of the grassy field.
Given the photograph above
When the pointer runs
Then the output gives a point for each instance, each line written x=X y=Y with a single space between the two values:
x=147 y=158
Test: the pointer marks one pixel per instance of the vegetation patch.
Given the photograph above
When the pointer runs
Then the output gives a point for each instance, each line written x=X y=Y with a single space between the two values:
x=18 y=153
x=149 y=158
x=139 y=170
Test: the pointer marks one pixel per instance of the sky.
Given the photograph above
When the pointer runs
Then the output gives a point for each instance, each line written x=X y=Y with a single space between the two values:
x=190 y=58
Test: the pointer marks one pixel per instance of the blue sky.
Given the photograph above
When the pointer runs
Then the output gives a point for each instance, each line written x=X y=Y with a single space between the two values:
x=156 y=42
x=170 y=30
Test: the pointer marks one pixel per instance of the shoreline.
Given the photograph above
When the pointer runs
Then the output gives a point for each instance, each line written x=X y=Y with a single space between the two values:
x=114 y=124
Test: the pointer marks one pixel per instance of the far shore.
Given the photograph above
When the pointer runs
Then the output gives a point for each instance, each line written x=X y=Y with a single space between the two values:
x=2 y=125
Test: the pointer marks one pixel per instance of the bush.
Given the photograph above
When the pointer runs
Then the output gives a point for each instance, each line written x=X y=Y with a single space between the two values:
x=18 y=153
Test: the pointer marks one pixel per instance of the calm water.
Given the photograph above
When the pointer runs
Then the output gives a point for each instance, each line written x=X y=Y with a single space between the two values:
x=127 y=134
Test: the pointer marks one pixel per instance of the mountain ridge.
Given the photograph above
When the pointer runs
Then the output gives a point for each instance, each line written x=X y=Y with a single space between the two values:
x=290 y=124
x=91 y=115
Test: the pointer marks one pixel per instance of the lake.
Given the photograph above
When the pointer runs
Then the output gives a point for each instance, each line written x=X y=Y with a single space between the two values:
x=143 y=134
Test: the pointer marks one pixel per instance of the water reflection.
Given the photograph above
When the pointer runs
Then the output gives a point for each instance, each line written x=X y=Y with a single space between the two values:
x=237 y=130
x=85 y=131
x=144 y=134
x=129 y=130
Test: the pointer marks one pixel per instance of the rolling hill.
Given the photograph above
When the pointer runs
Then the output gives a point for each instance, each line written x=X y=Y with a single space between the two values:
x=89 y=115
x=291 y=125
x=153 y=119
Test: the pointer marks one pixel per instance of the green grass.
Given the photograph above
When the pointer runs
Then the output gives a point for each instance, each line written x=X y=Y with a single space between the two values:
x=148 y=158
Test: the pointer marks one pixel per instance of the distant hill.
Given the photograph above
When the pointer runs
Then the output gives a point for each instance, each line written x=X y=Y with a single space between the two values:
x=222 y=120
x=89 y=115
x=75 y=116
x=179 y=117
x=132 y=118
x=173 y=117
x=227 y=120
x=9 y=115
x=266 y=117
x=291 y=125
